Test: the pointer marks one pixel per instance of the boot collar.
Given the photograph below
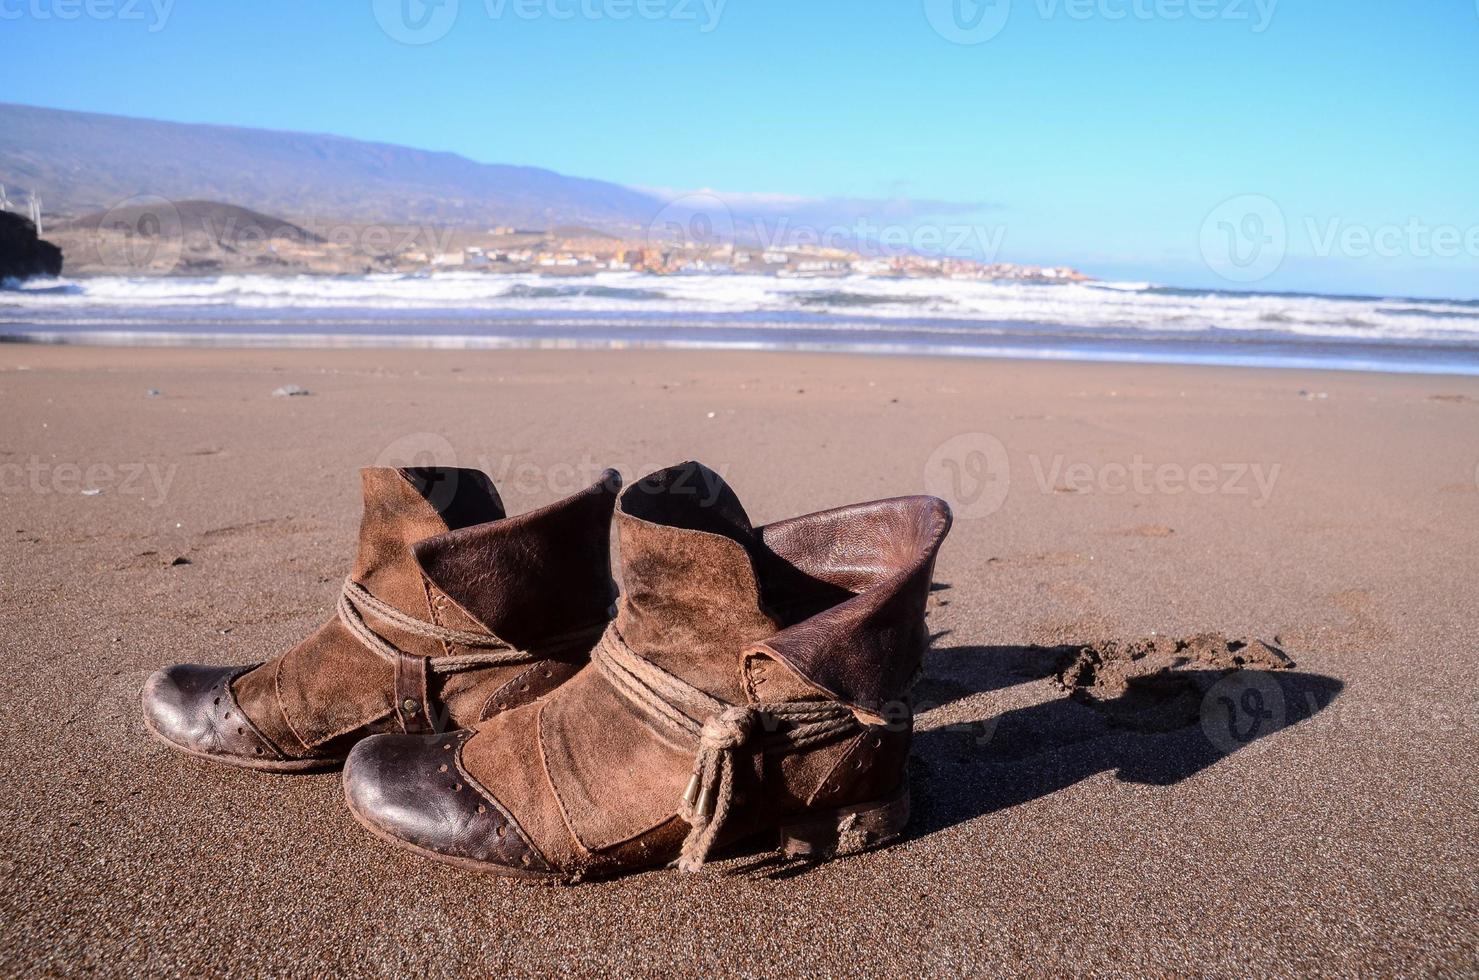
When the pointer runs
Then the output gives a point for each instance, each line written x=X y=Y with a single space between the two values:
x=867 y=649
x=405 y=505
x=529 y=577
x=838 y=596
x=690 y=596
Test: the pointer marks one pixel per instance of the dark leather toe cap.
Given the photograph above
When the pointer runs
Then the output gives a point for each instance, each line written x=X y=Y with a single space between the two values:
x=191 y=707
x=412 y=789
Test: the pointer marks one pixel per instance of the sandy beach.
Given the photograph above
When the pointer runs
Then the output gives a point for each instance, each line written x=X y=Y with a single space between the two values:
x=1333 y=514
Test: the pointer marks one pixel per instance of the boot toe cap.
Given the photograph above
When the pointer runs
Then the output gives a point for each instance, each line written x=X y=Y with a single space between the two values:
x=413 y=791
x=191 y=707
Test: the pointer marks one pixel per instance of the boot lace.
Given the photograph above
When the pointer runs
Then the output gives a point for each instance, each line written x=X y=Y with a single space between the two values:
x=717 y=730
x=355 y=601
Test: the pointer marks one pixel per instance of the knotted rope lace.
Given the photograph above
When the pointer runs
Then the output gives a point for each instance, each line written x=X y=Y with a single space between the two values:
x=677 y=706
x=355 y=600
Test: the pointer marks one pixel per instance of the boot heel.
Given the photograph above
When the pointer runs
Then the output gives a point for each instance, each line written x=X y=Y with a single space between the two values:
x=849 y=830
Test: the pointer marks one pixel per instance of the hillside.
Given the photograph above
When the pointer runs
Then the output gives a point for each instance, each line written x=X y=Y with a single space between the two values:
x=84 y=162
x=159 y=236
x=223 y=223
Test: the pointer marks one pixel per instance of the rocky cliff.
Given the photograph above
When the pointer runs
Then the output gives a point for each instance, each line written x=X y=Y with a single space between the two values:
x=22 y=253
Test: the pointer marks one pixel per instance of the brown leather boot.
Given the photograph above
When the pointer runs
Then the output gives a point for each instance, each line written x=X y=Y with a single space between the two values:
x=755 y=681
x=453 y=613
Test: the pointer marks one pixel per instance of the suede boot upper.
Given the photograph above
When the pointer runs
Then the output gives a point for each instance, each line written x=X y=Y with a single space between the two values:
x=754 y=678
x=452 y=612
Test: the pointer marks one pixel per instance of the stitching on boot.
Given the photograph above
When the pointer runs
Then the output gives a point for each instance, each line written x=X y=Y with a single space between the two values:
x=353 y=726
x=554 y=786
x=230 y=690
x=282 y=706
x=754 y=671
x=852 y=750
x=433 y=592
x=509 y=822
x=499 y=692
x=433 y=612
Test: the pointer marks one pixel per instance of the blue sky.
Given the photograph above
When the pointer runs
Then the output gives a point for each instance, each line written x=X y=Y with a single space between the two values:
x=1100 y=133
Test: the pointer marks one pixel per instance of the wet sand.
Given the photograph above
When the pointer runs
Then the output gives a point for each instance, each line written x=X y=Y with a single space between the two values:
x=1335 y=515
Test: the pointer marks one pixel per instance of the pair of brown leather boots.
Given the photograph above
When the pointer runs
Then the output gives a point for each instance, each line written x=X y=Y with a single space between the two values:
x=489 y=712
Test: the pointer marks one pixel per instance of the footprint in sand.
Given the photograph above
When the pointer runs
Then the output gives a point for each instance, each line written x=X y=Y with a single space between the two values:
x=1160 y=684
x=1051 y=558
x=1143 y=531
x=270 y=527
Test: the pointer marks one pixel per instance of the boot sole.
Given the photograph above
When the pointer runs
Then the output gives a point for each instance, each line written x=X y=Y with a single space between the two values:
x=819 y=837
x=257 y=765
x=848 y=830
x=466 y=864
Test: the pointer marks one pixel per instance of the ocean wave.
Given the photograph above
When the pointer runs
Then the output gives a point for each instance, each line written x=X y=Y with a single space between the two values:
x=854 y=302
x=843 y=298
x=40 y=287
x=523 y=290
x=1122 y=287
x=1436 y=312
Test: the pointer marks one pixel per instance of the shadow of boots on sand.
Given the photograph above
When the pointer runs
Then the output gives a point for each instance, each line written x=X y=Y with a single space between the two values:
x=1158 y=731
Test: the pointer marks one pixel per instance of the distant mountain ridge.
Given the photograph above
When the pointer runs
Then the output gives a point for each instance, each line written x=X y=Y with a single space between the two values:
x=81 y=162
